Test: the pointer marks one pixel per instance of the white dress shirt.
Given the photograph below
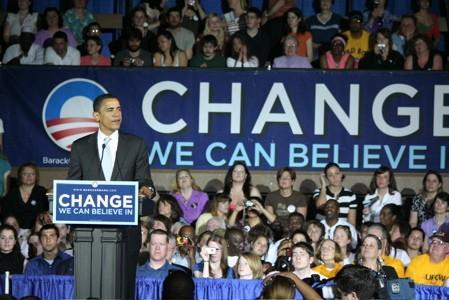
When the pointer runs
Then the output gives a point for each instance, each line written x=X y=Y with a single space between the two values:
x=113 y=144
x=35 y=55
x=71 y=58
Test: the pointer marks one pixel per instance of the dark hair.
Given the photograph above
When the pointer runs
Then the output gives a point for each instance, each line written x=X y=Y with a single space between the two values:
x=52 y=9
x=383 y=31
x=259 y=230
x=331 y=165
x=209 y=39
x=428 y=173
x=178 y=285
x=228 y=178
x=99 y=101
x=134 y=34
x=88 y=27
x=158 y=232
x=424 y=38
x=355 y=14
x=48 y=227
x=21 y=168
x=442 y=196
x=255 y=11
x=244 y=40
x=302 y=27
x=173 y=47
x=296 y=214
x=279 y=287
x=371 y=4
x=60 y=35
x=165 y=220
x=97 y=40
x=176 y=212
x=416 y=7
x=395 y=210
x=391 y=185
x=409 y=16
x=174 y=9
x=300 y=231
x=357 y=279
x=16 y=248
x=317 y=5
x=306 y=247
x=286 y=169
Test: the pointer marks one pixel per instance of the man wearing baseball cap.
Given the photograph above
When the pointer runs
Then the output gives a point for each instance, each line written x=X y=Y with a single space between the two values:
x=432 y=268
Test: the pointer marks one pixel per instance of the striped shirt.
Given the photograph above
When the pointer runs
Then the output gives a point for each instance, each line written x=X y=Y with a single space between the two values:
x=346 y=200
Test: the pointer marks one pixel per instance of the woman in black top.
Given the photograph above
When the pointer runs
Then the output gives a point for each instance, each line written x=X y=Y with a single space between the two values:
x=423 y=57
x=10 y=257
x=27 y=200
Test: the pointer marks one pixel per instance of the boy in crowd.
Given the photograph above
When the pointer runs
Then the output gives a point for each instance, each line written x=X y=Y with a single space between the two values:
x=208 y=58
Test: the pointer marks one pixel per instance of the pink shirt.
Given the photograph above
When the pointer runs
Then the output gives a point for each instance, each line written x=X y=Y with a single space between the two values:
x=102 y=61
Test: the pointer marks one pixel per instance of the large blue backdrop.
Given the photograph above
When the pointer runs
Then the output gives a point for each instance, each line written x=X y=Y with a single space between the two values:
x=207 y=119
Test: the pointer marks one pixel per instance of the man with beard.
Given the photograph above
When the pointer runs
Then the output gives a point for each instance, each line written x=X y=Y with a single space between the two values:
x=134 y=56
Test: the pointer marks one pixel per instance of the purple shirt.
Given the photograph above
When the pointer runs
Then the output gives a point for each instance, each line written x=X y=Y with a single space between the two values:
x=194 y=206
x=296 y=61
x=430 y=226
x=43 y=37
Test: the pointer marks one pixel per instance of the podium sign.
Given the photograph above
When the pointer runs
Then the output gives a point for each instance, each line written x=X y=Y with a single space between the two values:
x=95 y=202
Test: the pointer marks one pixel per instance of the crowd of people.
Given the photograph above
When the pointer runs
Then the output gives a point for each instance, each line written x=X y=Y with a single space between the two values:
x=276 y=35
x=238 y=233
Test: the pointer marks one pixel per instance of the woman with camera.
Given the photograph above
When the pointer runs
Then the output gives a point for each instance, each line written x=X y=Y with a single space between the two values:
x=215 y=260
x=382 y=56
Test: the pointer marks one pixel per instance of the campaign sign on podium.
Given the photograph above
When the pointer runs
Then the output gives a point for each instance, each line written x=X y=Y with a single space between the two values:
x=95 y=202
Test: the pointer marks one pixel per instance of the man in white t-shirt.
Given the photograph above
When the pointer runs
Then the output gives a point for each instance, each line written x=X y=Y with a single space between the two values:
x=25 y=52
x=60 y=53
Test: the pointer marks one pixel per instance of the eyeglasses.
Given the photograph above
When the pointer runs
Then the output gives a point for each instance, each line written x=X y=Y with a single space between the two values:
x=437 y=242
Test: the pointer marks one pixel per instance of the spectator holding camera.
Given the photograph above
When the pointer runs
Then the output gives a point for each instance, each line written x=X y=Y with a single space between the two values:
x=382 y=56
x=215 y=260
x=134 y=55
x=253 y=213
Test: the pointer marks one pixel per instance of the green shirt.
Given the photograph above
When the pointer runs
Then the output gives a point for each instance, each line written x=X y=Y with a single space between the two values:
x=217 y=62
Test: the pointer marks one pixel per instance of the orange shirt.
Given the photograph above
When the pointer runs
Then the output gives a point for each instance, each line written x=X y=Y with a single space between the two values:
x=302 y=42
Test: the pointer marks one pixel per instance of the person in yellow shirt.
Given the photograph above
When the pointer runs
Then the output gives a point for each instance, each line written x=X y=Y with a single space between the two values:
x=431 y=268
x=358 y=39
x=330 y=254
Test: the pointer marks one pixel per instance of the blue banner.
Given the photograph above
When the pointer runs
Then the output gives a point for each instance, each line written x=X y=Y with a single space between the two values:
x=95 y=202
x=207 y=119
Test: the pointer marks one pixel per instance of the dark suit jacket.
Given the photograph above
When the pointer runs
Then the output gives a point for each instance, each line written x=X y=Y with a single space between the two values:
x=131 y=161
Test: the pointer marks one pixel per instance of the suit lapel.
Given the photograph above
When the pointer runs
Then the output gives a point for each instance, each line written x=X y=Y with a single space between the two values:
x=95 y=159
x=119 y=158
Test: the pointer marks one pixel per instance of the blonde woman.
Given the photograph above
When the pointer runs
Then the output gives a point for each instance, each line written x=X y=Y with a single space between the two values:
x=215 y=26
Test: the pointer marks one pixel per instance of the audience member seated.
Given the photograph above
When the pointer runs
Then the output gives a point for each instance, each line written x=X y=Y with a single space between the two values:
x=399 y=232
x=157 y=266
x=256 y=38
x=291 y=59
x=382 y=56
x=210 y=56
x=285 y=200
x=92 y=30
x=427 y=23
x=296 y=27
x=423 y=57
x=235 y=18
x=215 y=26
x=332 y=221
x=34 y=246
x=16 y=22
x=22 y=234
x=356 y=282
x=283 y=286
x=323 y=26
x=415 y=242
x=168 y=54
x=162 y=222
x=329 y=255
x=402 y=39
x=377 y=16
x=178 y=285
x=52 y=261
x=134 y=55
x=184 y=253
x=392 y=257
x=218 y=207
x=139 y=20
x=371 y=257
x=302 y=259
x=315 y=232
x=94 y=57
x=26 y=52
x=190 y=198
x=390 y=215
x=238 y=184
x=65 y=238
x=440 y=207
x=336 y=57
x=383 y=191
x=27 y=200
x=422 y=203
x=215 y=260
x=235 y=239
x=11 y=259
x=259 y=246
x=5 y=171
x=192 y=15
x=60 y=53
x=255 y=213
x=249 y=267
x=432 y=268
x=335 y=190
x=53 y=22
x=185 y=39
x=240 y=56
x=78 y=17
x=358 y=39
x=168 y=206
x=343 y=236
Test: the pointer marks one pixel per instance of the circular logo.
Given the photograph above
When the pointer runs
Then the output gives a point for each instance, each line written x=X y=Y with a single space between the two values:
x=68 y=111
x=33 y=202
x=291 y=208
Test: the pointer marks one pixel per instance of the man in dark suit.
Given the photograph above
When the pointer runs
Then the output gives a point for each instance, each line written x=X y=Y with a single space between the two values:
x=129 y=158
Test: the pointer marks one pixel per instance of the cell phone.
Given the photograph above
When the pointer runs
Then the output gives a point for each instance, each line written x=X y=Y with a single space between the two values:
x=210 y=250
